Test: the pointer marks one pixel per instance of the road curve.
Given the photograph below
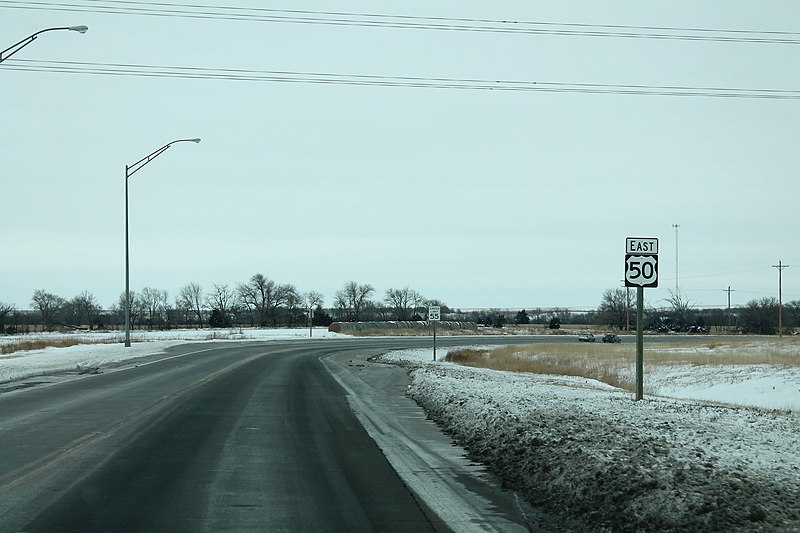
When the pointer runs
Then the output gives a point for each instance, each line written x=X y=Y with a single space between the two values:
x=229 y=438
x=238 y=437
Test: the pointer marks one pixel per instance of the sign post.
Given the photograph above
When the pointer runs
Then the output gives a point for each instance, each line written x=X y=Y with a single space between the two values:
x=434 y=315
x=310 y=321
x=641 y=270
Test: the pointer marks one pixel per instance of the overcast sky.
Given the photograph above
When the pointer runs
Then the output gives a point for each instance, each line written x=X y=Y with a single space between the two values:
x=480 y=198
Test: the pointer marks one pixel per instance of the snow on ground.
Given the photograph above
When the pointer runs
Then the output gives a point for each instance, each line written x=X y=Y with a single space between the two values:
x=764 y=386
x=575 y=446
x=30 y=363
x=585 y=450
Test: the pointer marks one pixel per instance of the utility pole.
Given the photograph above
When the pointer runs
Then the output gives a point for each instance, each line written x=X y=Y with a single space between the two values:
x=627 y=306
x=676 y=226
x=780 y=266
x=627 y=309
x=729 y=291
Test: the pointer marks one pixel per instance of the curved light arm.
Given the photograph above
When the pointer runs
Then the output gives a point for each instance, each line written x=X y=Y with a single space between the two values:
x=28 y=40
x=130 y=170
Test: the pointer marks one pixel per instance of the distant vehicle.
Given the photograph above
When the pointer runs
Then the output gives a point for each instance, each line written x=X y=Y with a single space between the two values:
x=586 y=337
x=610 y=337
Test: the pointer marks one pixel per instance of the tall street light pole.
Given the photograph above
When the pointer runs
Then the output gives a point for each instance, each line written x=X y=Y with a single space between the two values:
x=11 y=50
x=130 y=170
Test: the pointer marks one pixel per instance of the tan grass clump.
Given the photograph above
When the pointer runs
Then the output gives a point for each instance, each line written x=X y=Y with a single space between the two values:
x=467 y=357
x=41 y=344
x=613 y=363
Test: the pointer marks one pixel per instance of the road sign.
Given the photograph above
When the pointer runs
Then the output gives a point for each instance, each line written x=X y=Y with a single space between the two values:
x=641 y=270
x=641 y=262
x=434 y=313
x=640 y=246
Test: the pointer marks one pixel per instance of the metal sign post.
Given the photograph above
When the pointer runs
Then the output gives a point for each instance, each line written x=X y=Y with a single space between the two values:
x=310 y=321
x=641 y=270
x=434 y=315
x=639 y=343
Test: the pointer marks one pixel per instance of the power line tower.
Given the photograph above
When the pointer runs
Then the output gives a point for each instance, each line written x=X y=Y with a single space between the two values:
x=729 y=291
x=780 y=266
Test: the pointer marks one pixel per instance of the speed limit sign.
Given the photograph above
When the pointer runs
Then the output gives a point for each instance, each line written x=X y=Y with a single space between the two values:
x=641 y=262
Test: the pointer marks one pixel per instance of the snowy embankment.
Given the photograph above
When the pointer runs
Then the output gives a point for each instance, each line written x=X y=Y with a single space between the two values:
x=95 y=353
x=586 y=450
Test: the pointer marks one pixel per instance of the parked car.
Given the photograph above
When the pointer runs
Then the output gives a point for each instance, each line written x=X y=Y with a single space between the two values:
x=586 y=337
x=610 y=337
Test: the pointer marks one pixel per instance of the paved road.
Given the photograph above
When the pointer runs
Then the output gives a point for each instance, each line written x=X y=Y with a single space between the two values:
x=224 y=437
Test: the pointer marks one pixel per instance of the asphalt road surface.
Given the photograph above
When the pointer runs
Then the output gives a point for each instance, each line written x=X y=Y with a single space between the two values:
x=238 y=437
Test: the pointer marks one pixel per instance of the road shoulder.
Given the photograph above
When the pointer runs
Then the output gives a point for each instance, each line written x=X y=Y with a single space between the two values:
x=461 y=495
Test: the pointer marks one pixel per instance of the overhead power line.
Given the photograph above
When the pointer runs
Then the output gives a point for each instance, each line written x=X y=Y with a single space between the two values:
x=378 y=20
x=244 y=75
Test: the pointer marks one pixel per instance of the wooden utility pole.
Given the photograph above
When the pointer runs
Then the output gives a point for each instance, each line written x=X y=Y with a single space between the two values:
x=780 y=266
x=729 y=291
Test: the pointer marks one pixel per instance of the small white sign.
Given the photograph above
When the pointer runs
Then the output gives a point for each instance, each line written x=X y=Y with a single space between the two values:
x=640 y=246
x=434 y=313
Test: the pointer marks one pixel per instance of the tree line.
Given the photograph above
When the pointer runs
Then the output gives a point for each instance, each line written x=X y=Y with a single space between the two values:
x=759 y=316
x=259 y=301
x=263 y=302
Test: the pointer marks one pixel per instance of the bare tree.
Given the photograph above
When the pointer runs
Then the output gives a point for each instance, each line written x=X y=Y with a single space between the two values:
x=223 y=300
x=403 y=302
x=293 y=302
x=313 y=299
x=258 y=294
x=85 y=306
x=137 y=310
x=264 y=296
x=614 y=308
x=6 y=310
x=760 y=317
x=191 y=297
x=49 y=305
x=680 y=308
x=352 y=299
x=153 y=301
x=168 y=312
x=284 y=294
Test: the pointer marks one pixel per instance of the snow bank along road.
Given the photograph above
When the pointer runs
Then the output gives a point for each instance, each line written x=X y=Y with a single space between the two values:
x=584 y=450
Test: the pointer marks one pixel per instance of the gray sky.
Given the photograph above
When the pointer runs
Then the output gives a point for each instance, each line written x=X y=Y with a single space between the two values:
x=480 y=198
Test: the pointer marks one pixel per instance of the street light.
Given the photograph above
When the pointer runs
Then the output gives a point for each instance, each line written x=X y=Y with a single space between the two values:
x=130 y=170
x=28 y=40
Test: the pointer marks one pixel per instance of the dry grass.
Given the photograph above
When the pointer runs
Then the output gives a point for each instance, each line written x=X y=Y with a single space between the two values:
x=41 y=344
x=612 y=363
x=551 y=359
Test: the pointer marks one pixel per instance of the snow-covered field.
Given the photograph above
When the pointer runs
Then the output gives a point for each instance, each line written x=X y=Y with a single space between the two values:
x=30 y=363
x=586 y=450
